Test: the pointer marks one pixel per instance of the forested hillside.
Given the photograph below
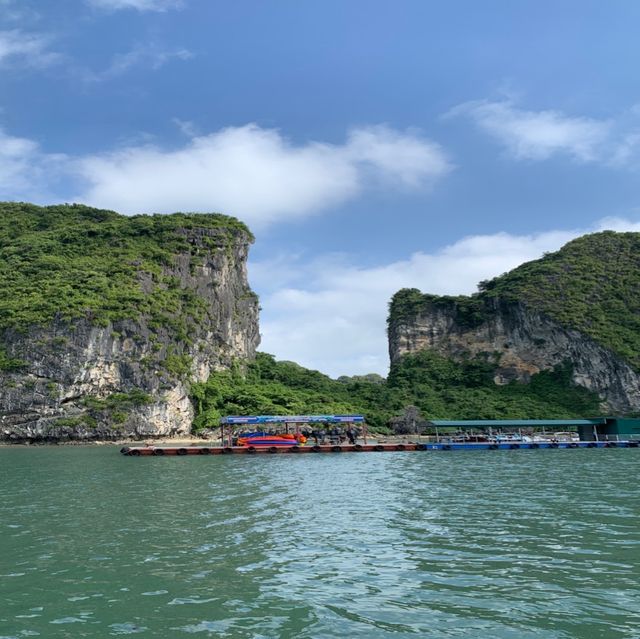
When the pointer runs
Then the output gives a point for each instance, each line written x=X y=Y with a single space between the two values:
x=77 y=262
x=440 y=388
x=547 y=340
x=592 y=284
x=576 y=310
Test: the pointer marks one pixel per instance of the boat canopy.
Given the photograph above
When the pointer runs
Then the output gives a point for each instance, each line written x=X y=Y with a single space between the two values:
x=291 y=419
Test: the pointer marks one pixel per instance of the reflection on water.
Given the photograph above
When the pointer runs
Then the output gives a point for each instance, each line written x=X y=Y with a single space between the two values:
x=512 y=544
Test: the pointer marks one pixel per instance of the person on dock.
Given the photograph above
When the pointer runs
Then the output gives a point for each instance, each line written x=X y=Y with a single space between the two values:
x=319 y=435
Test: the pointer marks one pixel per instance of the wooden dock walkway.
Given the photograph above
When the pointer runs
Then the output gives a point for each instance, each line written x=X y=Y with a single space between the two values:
x=160 y=451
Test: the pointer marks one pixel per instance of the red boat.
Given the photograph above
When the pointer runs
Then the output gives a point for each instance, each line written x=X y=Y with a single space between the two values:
x=260 y=439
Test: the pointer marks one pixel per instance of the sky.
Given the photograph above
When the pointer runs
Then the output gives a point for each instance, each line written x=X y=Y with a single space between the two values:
x=369 y=145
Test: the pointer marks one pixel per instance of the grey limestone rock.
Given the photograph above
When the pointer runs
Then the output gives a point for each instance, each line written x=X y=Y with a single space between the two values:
x=130 y=379
x=521 y=342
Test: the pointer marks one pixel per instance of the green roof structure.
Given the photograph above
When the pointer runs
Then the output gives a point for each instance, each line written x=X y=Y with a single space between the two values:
x=518 y=423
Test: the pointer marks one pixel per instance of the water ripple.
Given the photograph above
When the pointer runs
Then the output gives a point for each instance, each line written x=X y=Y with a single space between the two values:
x=525 y=544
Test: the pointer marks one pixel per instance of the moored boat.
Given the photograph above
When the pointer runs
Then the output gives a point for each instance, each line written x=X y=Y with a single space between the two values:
x=265 y=439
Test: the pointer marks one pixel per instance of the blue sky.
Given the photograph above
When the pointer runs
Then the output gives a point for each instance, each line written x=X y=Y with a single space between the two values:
x=369 y=145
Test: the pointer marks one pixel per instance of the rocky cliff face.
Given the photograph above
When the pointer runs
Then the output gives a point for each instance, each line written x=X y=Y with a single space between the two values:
x=78 y=379
x=520 y=342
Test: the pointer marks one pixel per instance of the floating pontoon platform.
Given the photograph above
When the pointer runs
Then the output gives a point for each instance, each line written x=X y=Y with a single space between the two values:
x=159 y=451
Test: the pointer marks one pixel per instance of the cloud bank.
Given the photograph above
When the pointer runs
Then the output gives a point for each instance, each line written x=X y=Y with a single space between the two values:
x=253 y=173
x=257 y=174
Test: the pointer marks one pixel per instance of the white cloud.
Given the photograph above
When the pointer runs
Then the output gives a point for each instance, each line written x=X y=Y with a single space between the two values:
x=399 y=156
x=619 y=224
x=16 y=158
x=537 y=135
x=25 y=171
x=139 y=5
x=257 y=174
x=30 y=49
x=331 y=316
x=253 y=173
x=148 y=55
x=625 y=151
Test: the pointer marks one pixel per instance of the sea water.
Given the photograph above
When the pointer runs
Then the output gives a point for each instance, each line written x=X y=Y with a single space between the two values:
x=484 y=544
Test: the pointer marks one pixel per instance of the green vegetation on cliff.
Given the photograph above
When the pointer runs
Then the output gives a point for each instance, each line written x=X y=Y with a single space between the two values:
x=9 y=364
x=72 y=261
x=592 y=285
x=409 y=303
x=442 y=389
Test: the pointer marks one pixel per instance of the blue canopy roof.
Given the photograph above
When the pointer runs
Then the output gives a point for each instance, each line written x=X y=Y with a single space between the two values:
x=291 y=419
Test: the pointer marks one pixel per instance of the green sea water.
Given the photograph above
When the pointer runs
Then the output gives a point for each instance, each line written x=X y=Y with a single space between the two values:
x=486 y=544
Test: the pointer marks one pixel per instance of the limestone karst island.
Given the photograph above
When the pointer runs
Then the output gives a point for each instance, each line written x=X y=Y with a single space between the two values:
x=116 y=327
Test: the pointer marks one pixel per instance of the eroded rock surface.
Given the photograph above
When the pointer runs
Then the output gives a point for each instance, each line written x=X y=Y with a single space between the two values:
x=130 y=378
x=521 y=342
